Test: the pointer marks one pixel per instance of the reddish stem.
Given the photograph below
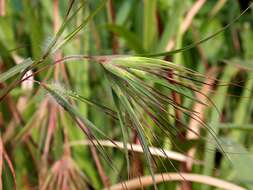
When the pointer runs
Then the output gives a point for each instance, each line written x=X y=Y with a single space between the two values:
x=2 y=8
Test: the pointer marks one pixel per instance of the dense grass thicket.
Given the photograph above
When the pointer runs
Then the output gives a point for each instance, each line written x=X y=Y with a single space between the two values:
x=126 y=94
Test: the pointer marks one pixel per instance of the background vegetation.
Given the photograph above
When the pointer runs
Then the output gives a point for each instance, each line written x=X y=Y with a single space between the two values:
x=88 y=101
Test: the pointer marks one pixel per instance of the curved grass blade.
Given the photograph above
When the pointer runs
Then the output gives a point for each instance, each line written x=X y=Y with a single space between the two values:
x=74 y=95
x=139 y=128
x=66 y=21
x=214 y=121
x=61 y=100
x=15 y=70
x=137 y=148
x=123 y=129
x=141 y=89
x=10 y=165
x=129 y=109
x=188 y=47
x=44 y=56
x=147 y=181
x=80 y=27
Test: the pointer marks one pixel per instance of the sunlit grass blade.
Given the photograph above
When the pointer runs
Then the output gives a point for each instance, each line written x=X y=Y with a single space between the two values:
x=168 y=154
x=146 y=181
x=15 y=70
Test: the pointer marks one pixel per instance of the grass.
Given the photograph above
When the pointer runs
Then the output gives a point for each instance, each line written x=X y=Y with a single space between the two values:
x=108 y=94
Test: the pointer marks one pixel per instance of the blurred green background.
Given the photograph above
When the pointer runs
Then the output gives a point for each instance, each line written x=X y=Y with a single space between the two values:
x=36 y=133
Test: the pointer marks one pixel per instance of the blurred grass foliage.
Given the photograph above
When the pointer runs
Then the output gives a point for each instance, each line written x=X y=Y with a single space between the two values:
x=172 y=78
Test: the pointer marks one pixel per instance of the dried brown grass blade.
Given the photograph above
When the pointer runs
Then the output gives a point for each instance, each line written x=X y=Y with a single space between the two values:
x=138 y=148
x=147 y=181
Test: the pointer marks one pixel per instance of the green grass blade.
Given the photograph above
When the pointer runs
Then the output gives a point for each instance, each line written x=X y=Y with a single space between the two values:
x=188 y=47
x=149 y=24
x=15 y=70
x=123 y=129
x=219 y=100
x=129 y=37
x=61 y=100
x=72 y=34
